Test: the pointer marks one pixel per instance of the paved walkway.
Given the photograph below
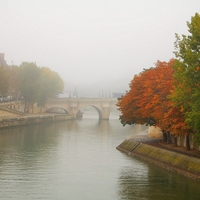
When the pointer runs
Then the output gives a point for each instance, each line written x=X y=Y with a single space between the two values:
x=158 y=142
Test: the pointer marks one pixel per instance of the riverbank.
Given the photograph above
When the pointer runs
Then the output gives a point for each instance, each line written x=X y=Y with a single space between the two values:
x=34 y=119
x=154 y=151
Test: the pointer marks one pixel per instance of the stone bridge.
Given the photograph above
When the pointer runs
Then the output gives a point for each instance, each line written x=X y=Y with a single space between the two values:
x=69 y=105
x=72 y=105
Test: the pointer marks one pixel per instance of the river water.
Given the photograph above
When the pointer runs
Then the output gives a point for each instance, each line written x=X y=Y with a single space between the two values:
x=78 y=160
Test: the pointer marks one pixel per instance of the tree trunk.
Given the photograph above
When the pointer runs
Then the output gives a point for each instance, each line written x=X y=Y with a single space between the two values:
x=175 y=141
x=164 y=136
x=168 y=137
x=188 y=142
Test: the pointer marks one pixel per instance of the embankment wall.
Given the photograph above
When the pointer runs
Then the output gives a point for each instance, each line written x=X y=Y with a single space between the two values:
x=186 y=165
x=28 y=120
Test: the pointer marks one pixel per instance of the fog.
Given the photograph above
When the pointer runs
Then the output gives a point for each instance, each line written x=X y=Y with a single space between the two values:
x=96 y=46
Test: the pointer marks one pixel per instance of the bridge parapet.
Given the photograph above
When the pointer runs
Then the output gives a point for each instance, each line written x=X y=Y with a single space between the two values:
x=72 y=105
x=15 y=105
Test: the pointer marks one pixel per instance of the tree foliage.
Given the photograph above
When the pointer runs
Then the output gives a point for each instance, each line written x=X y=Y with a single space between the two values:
x=50 y=84
x=147 y=100
x=144 y=102
x=35 y=84
x=14 y=74
x=38 y=84
x=4 y=81
x=187 y=75
x=29 y=84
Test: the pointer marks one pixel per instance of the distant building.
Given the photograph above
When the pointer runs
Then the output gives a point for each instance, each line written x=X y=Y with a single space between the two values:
x=117 y=94
x=75 y=93
x=2 y=60
x=65 y=95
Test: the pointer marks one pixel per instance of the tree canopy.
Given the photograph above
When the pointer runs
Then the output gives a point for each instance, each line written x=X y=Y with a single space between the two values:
x=168 y=94
x=50 y=84
x=147 y=101
x=144 y=102
x=37 y=84
x=4 y=81
x=29 y=81
x=187 y=75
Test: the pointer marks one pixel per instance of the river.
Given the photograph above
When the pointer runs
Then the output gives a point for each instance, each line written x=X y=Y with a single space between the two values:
x=78 y=160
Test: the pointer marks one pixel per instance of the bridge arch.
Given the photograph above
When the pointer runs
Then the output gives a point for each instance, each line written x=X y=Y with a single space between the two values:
x=57 y=110
x=99 y=112
x=72 y=105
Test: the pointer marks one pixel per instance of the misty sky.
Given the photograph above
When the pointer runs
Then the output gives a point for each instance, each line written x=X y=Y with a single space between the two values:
x=94 y=45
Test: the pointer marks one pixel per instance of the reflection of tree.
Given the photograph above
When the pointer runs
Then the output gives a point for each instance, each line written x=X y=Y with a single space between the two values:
x=149 y=182
x=168 y=185
x=29 y=144
x=133 y=183
x=65 y=126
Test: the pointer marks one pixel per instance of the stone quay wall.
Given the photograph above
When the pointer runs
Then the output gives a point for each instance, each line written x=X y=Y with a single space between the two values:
x=186 y=165
x=31 y=119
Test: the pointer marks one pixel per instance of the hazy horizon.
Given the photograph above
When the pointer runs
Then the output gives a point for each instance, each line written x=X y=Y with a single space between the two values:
x=94 y=45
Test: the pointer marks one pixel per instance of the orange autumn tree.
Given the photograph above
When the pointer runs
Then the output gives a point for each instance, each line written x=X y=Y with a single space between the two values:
x=147 y=100
x=142 y=103
x=174 y=122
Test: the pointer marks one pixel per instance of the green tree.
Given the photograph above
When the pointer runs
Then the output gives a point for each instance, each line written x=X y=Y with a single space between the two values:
x=4 y=81
x=50 y=84
x=38 y=84
x=29 y=76
x=14 y=80
x=187 y=75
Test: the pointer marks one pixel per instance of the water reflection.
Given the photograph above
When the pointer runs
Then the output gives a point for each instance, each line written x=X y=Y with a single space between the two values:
x=150 y=182
x=78 y=160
